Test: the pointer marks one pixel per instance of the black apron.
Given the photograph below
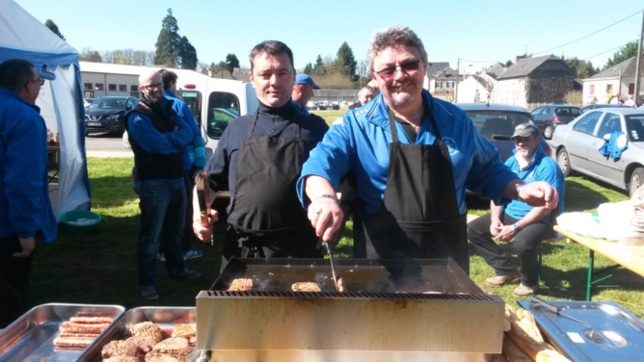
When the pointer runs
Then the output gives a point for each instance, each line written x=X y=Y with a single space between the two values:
x=267 y=219
x=419 y=217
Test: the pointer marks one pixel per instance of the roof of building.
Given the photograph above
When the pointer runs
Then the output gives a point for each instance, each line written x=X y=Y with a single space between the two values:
x=524 y=67
x=435 y=67
x=625 y=69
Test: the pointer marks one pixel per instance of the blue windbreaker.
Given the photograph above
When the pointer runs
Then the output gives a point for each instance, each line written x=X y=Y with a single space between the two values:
x=360 y=143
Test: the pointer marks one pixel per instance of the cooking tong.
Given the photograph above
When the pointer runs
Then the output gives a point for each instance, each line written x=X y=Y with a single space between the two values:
x=556 y=310
x=335 y=278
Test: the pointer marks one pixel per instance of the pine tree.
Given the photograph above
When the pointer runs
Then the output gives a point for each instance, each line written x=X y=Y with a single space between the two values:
x=346 y=61
x=187 y=54
x=308 y=69
x=231 y=63
x=168 y=41
x=319 y=67
x=626 y=52
x=54 y=28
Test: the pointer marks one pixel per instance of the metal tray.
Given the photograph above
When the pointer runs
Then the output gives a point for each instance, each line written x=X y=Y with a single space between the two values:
x=621 y=334
x=165 y=317
x=31 y=337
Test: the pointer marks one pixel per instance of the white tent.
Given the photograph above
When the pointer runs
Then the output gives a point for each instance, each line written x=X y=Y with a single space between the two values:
x=60 y=100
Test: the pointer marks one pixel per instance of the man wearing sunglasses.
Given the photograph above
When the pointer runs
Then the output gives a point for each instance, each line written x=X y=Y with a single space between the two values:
x=412 y=157
x=25 y=208
x=158 y=136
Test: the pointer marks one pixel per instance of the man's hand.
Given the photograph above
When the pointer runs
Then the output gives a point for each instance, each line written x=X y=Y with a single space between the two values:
x=538 y=193
x=28 y=245
x=506 y=233
x=326 y=217
x=496 y=226
x=203 y=232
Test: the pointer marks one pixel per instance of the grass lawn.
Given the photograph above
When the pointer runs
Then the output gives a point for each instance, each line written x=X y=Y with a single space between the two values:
x=100 y=268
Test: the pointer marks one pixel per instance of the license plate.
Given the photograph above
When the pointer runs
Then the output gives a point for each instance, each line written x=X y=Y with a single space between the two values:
x=95 y=124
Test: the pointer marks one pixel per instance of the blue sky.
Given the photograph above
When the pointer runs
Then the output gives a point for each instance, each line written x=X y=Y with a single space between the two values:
x=479 y=33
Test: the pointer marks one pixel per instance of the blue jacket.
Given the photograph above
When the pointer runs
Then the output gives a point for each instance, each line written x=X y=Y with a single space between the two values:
x=360 y=143
x=615 y=146
x=542 y=168
x=25 y=208
x=195 y=151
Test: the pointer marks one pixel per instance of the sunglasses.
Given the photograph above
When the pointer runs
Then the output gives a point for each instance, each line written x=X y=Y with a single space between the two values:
x=407 y=67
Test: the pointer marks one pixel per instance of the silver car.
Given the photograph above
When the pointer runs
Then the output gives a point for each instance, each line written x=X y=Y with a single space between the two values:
x=577 y=145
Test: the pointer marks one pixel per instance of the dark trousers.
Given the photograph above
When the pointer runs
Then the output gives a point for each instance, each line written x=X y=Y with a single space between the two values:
x=526 y=245
x=14 y=281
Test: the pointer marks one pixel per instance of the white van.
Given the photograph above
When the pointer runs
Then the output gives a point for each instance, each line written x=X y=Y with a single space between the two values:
x=214 y=102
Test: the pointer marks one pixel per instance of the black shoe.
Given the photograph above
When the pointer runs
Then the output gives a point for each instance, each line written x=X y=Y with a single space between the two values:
x=187 y=274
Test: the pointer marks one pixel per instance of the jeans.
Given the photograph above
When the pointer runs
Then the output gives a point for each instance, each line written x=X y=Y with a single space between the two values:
x=163 y=208
x=526 y=245
x=14 y=281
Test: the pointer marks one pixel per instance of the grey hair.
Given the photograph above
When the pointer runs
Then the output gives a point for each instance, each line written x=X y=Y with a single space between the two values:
x=390 y=37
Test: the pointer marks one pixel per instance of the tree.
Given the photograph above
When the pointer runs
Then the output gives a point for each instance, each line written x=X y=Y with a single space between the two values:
x=626 y=52
x=308 y=69
x=54 y=28
x=582 y=68
x=231 y=63
x=319 y=68
x=89 y=55
x=167 y=46
x=187 y=54
x=346 y=61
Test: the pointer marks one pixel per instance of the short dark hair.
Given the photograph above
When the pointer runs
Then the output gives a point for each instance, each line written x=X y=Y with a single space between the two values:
x=271 y=47
x=14 y=73
x=167 y=77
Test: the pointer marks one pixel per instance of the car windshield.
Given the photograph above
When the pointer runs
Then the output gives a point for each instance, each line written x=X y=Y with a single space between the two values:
x=109 y=103
x=567 y=112
x=497 y=124
x=635 y=125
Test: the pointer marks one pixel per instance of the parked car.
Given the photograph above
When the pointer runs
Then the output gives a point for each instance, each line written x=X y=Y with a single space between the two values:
x=496 y=123
x=577 y=146
x=107 y=114
x=88 y=102
x=550 y=116
x=595 y=106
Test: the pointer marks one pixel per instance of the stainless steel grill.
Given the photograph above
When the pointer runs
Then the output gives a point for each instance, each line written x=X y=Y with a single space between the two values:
x=402 y=310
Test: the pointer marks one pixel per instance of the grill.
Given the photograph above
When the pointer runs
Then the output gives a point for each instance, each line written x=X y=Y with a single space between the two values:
x=415 y=309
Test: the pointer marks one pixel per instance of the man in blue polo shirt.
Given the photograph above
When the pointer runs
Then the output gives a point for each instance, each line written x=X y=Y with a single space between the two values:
x=528 y=225
x=303 y=92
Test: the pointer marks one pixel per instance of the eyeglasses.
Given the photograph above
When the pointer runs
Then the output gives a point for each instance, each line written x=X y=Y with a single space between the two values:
x=152 y=86
x=407 y=67
x=39 y=80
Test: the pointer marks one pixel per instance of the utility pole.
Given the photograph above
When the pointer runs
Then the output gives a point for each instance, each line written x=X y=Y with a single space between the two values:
x=458 y=66
x=638 y=62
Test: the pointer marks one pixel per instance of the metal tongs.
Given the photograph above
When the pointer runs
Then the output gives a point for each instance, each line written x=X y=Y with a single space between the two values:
x=203 y=195
x=338 y=287
x=556 y=310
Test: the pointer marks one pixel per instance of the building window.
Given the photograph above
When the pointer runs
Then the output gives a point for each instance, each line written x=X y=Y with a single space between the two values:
x=87 y=86
x=99 y=86
x=122 y=88
x=134 y=88
x=592 y=89
x=609 y=89
x=439 y=84
x=111 y=87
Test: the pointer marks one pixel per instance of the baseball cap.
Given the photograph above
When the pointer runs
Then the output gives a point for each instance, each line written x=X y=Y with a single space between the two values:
x=306 y=79
x=525 y=130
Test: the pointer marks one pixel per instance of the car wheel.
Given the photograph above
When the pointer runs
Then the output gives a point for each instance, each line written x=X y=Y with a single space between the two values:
x=547 y=132
x=563 y=160
x=637 y=180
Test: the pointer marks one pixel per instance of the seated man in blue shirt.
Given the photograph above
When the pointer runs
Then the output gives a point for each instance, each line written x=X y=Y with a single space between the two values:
x=528 y=225
x=303 y=92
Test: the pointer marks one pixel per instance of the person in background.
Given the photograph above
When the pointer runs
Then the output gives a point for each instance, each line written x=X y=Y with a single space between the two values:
x=630 y=102
x=158 y=137
x=366 y=94
x=259 y=158
x=303 y=92
x=194 y=159
x=25 y=208
x=407 y=211
x=528 y=225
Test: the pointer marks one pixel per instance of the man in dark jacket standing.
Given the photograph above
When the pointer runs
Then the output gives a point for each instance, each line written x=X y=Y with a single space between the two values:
x=158 y=136
x=259 y=158
x=25 y=208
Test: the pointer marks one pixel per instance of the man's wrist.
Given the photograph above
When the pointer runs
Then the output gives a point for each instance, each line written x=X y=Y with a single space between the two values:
x=516 y=227
x=325 y=196
x=517 y=195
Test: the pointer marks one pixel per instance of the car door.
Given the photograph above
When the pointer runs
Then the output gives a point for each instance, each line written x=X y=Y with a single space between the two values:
x=578 y=140
x=603 y=167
